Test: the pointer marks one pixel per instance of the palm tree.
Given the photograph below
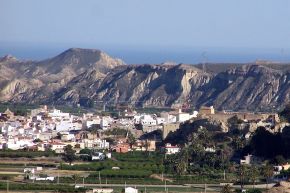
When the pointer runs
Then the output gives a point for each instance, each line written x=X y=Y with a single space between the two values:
x=254 y=175
x=267 y=173
x=242 y=174
x=182 y=161
x=75 y=178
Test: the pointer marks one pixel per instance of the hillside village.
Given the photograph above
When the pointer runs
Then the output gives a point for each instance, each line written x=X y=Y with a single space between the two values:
x=216 y=141
x=50 y=129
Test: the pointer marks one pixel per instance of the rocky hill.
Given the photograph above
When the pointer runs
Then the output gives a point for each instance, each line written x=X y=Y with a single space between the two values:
x=85 y=75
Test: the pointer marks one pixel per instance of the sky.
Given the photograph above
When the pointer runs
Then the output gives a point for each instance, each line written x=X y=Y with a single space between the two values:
x=148 y=31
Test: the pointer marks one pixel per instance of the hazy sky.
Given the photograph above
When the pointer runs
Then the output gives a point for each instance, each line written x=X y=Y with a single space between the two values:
x=145 y=24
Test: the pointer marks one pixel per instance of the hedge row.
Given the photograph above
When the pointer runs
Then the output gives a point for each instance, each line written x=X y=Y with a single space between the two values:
x=98 y=166
x=28 y=154
x=53 y=187
x=139 y=157
x=123 y=173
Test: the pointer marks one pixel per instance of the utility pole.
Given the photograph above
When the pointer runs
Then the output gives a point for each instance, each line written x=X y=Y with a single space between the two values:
x=100 y=178
x=165 y=186
x=224 y=175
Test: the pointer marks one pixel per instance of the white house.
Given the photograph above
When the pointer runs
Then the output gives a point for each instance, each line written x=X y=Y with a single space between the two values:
x=171 y=149
x=168 y=118
x=67 y=137
x=182 y=117
x=147 y=120
x=57 y=114
x=160 y=120
x=93 y=121
x=100 y=190
x=102 y=144
x=57 y=147
x=246 y=161
x=131 y=190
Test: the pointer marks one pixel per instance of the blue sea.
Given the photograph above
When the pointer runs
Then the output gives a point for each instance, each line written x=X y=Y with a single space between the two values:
x=154 y=54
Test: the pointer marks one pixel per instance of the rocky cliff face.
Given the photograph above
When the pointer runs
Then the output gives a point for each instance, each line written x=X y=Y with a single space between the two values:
x=38 y=81
x=83 y=76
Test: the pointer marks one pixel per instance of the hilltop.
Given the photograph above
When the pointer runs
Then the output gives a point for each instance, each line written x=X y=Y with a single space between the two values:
x=86 y=75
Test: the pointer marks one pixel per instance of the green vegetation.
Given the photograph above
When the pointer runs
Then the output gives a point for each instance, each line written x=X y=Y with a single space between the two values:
x=112 y=180
x=148 y=157
x=18 y=109
x=69 y=154
x=27 y=154
x=105 y=165
x=116 y=132
x=153 y=110
x=131 y=173
x=273 y=146
x=30 y=186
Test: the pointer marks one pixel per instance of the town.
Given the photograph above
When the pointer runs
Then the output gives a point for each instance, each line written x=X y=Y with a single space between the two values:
x=137 y=149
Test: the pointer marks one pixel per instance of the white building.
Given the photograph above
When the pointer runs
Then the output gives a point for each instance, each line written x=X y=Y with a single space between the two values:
x=93 y=121
x=246 y=161
x=170 y=149
x=168 y=118
x=160 y=120
x=57 y=114
x=57 y=147
x=182 y=117
x=66 y=136
x=147 y=120
x=131 y=190
x=102 y=144
x=100 y=190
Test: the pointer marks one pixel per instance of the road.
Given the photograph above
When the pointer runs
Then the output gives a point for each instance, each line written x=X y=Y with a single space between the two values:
x=260 y=186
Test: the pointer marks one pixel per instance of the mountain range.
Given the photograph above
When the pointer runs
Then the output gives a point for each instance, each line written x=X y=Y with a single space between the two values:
x=86 y=76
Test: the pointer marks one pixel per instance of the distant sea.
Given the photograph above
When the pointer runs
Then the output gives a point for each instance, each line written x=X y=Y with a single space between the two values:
x=156 y=55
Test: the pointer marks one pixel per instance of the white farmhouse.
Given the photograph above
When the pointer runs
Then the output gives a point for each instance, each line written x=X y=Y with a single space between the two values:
x=131 y=190
x=170 y=149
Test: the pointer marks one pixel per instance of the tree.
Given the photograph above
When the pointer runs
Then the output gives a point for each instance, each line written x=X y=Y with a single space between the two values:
x=86 y=151
x=37 y=140
x=227 y=189
x=75 y=177
x=69 y=154
x=242 y=173
x=254 y=175
x=182 y=161
x=280 y=160
x=267 y=172
x=266 y=144
x=131 y=139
